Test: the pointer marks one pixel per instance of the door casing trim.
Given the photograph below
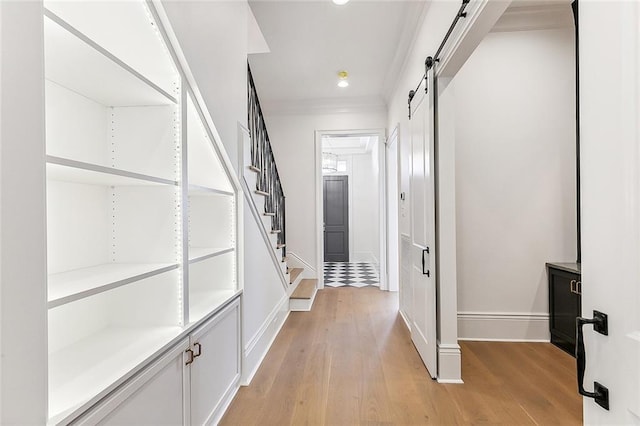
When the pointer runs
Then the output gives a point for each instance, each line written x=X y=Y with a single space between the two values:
x=381 y=134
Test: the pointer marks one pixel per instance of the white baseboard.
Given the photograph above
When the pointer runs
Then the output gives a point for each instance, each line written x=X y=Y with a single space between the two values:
x=258 y=346
x=449 y=362
x=295 y=261
x=224 y=403
x=504 y=327
x=449 y=359
x=405 y=319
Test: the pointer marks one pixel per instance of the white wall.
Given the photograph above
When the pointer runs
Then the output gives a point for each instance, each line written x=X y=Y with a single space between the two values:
x=214 y=38
x=265 y=303
x=364 y=193
x=515 y=180
x=366 y=218
x=293 y=142
x=438 y=17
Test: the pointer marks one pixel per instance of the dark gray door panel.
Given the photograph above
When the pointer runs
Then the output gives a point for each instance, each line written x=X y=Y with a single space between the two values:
x=336 y=218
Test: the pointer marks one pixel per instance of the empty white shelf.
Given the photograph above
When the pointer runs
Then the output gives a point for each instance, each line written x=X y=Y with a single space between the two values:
x=197 y=254
x=66 y=170
x=76 y=62
x=204 y=303
x=73 y=285
x=195 y=190
x=97 y=364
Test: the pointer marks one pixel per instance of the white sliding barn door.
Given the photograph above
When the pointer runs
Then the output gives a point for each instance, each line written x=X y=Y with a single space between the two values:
x=609 y=37
x=422 y=200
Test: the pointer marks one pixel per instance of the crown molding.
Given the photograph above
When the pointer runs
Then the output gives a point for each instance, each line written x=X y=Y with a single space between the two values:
x=414 y=18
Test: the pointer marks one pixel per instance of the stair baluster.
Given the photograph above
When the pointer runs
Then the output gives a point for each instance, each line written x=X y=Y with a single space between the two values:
x=262 y=158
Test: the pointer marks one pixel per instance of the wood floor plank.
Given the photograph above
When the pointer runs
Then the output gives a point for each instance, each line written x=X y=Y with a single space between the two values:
x=313 y=392
x=350 y=361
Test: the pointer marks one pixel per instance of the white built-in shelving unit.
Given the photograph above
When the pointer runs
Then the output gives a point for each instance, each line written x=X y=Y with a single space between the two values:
x=211 y=237
x=141 y=210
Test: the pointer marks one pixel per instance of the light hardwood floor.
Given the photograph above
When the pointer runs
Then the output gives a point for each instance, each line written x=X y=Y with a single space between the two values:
x=351 y=361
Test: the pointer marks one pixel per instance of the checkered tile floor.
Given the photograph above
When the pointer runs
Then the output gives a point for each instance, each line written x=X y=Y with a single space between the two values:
x=354 y=274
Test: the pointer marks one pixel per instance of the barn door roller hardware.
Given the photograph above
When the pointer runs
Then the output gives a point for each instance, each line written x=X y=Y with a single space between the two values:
x=431 y=60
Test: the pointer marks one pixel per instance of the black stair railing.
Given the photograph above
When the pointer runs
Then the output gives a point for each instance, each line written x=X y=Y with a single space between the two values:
x=264 y=164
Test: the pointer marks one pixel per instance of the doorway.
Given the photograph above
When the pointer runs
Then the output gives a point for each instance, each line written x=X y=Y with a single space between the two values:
x=351 y=213
x=505 y=150
x=525 y=165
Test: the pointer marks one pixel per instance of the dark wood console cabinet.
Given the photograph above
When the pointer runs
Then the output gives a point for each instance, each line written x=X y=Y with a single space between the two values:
x=565 y=288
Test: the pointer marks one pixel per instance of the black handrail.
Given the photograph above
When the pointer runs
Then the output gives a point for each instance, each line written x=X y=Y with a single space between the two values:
x=264 y=162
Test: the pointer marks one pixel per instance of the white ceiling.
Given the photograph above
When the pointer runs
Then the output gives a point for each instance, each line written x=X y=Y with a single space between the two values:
x=310 y=41
x=345 y=145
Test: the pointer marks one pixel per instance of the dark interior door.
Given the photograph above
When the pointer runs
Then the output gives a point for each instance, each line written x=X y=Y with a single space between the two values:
x=336 y=218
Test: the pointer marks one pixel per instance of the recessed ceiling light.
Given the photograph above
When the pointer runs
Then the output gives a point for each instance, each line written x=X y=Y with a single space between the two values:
x=342 y=79
x=340 y=2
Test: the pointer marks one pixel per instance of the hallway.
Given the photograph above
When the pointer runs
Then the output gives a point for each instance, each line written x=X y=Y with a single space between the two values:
x=351 y=361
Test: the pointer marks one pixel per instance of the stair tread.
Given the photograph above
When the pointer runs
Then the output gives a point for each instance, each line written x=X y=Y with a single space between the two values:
x=293 y=274
x=306 y=289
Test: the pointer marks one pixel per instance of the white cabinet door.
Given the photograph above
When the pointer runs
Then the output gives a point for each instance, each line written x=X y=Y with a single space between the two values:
x=156 y=396
x=215 y=371
x=610 y=208
x=422 y=201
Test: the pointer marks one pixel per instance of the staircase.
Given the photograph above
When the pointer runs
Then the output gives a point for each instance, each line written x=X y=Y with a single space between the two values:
x=267 y=201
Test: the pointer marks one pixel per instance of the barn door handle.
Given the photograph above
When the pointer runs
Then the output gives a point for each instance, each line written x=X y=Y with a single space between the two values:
x=600 y=325
x=427 y=273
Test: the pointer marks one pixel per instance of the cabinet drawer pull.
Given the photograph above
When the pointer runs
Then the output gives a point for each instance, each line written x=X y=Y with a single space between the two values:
x=190 y=359
x=573 y=286
x=199 y=347
x=578 y=287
